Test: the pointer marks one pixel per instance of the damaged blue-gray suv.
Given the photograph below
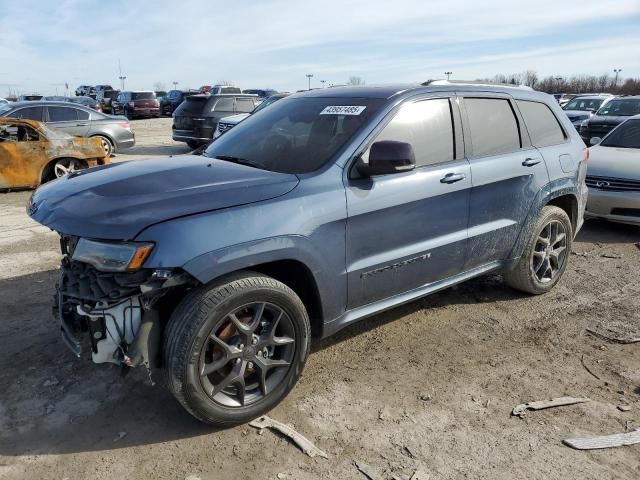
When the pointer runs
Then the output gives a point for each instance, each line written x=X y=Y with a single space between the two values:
x=325 y=208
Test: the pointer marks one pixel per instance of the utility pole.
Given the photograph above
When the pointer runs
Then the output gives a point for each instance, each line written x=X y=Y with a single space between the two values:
x=448 y=74
x=617 y=72
x=309 y=77
x=121 y=77
x=323 y=82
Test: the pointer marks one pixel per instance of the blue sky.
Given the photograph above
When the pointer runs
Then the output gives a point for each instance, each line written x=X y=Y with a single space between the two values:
x=274 y=43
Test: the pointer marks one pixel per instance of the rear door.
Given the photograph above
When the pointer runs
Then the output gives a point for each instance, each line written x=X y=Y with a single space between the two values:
x=409 y=229
x=66 y=119
x=507 y=174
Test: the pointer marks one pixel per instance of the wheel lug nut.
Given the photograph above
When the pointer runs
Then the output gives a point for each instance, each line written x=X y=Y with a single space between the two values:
x=259 y=353
x=241 y=346
x=254 y=341
x=238 y=360
x=250 y=365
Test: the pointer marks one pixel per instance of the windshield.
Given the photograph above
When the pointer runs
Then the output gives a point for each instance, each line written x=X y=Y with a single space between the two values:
x=266 y=103
x=626 y=135
x=295 y=135
x=143 y=96
x=621 y=107
x=584 y=104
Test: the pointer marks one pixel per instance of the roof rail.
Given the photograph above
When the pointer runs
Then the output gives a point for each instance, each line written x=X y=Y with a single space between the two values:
x=477 y=83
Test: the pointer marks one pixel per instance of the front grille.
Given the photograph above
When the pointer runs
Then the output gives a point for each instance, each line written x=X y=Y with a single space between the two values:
x=626 y=212
x=613 y=184
x=223 y=127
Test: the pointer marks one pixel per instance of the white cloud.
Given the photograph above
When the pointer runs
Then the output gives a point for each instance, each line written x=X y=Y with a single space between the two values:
x=274 y=43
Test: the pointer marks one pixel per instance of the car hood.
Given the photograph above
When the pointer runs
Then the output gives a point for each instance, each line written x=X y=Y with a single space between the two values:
x=577 y=113
x=235 y=119
x=614 y=162
x=119 y=200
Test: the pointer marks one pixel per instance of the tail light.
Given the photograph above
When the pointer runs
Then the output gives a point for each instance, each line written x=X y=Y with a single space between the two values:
x=125 y=125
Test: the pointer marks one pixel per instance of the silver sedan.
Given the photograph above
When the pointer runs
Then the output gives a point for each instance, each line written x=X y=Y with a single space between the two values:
x=613 y=175
x=114 y=132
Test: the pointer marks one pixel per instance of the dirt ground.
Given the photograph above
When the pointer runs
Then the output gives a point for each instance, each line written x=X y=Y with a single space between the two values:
x=428 y=386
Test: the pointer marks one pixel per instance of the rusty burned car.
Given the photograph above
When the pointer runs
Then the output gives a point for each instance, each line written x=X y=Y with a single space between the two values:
x=32 y=153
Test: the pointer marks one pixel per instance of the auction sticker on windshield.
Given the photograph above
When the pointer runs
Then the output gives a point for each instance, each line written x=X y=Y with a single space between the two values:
x=343 y=110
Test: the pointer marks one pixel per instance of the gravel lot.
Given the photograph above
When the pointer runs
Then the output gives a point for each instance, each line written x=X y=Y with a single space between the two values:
x=428 y=386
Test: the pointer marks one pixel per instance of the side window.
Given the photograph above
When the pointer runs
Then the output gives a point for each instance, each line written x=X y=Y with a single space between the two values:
x=493 y=126
x=427 y=126
x=62 y=114
x=18 y=133
x=244 y=105
x=542 y=124
x=82 y=114
x=224 y=105
x=29 y=113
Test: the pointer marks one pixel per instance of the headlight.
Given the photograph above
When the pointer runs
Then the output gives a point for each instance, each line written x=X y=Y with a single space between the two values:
x=112 y=257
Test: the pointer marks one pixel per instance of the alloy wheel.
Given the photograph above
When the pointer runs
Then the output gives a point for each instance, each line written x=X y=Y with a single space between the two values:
x=65 y=166
x=106 y=145
x=247 y=354
x=549 y=252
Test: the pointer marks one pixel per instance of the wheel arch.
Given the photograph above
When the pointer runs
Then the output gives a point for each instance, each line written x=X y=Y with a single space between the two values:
x=46 y=169
x=107 y=136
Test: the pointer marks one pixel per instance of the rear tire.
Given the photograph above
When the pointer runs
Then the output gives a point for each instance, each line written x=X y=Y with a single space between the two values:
x=546 y=254
x=227 y=360
x=60 y=167
x=106 y=145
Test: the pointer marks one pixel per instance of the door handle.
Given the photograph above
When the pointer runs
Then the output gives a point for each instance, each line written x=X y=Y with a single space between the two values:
x=452 y=178
x=530 y=162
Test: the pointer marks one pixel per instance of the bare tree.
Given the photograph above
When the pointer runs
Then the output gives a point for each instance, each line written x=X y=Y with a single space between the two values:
x=530 y=78
x=355 y=81
x=159 y=86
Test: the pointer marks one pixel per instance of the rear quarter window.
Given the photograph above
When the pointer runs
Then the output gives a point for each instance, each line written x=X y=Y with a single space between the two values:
x=245 y=105
x=223 y=105
x=493 y=126
x=543 y=126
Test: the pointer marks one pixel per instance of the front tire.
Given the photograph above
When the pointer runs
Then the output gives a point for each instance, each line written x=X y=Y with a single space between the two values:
x=546 y=254
x=234 y=350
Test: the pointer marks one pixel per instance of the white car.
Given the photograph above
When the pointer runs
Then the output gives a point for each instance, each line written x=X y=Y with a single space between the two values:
x=3 y=101
x=227 y=123
x=613 y=175
x=583 y=107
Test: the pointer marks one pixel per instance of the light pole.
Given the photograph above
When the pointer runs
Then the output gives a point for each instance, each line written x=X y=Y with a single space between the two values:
x=122 y=79
x=175 y=85
x=617 y=72
x=323 y=82
x=448 y=74
x=309 y=77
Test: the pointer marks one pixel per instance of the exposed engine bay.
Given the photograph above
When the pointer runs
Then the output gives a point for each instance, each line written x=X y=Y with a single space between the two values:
x=111 y=314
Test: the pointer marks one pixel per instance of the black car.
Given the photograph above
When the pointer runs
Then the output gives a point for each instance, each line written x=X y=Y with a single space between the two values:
x=196 y=119
x=608 y=117
x=104 y=99
x=172 y=99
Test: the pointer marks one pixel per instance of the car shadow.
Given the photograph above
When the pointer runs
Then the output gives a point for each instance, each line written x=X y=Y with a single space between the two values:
x=53 y=403
x=601 y=231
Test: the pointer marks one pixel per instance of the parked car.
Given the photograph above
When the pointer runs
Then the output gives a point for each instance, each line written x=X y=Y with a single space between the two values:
x=30 y=98
x=613 y=176
x=321 y=210
x=196 y=119
x=136 y=104
x=114 y=132
x=228 y=123
x=262 y=94
x=104 y=99
x=102 y=88
x=174 y=98
x=160 y=95
x=221 y=89
x=32 y=153
x=3 y=101
x=609 y=116
x=87 y=102
x=582 y=107
x=83 y=90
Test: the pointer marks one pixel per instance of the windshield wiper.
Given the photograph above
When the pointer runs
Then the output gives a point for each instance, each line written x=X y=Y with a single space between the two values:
x=239 y=161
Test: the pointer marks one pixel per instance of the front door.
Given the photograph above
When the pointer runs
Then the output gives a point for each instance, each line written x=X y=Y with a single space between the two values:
x=409 y=229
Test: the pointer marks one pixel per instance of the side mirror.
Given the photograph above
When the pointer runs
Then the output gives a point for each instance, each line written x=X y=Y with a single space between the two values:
x=595 y=140
x=386 y=157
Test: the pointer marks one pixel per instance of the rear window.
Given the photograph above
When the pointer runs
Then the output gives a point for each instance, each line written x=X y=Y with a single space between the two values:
x=62 y=114
x=244 y=105
x=191 y=106
x=542 y=124
x=493 y=126
x=143 y=96
x=230 y=90
x=223 y=105
x=621 y=107
x=626 y=135
x=111 y=94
